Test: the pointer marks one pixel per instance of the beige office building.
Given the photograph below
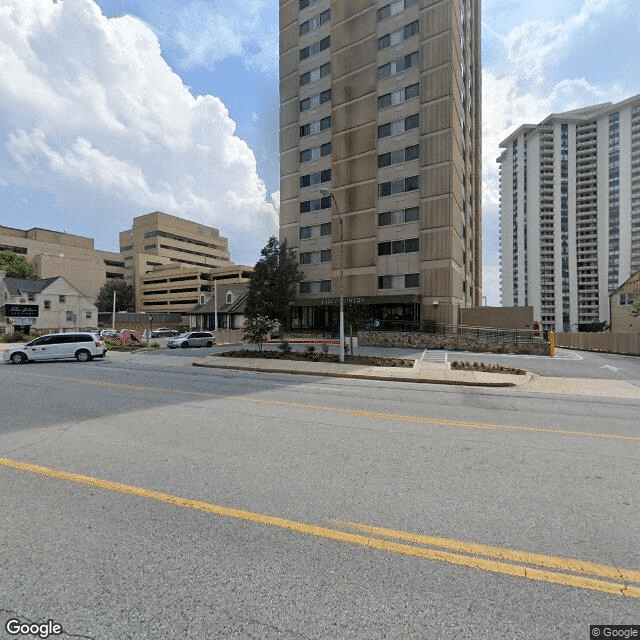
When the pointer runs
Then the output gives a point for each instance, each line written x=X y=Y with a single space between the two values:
x=380 y=155
x=55 y=253
x=157 y=239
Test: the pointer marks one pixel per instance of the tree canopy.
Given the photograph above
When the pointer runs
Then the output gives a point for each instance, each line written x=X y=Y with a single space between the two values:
x=125 y=296
x=16 y=266
x=273 y=283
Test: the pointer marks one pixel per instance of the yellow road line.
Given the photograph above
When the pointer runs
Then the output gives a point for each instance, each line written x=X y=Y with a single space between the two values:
x=476 y=562
x=550 y=562
x=356 y=413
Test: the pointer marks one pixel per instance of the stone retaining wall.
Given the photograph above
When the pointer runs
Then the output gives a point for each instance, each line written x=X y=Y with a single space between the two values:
x=428 y=341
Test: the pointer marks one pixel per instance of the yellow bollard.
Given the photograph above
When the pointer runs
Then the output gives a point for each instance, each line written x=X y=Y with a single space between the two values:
x=552 y=344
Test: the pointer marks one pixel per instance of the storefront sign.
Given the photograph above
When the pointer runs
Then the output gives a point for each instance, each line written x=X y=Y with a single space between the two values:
x=21 y=311
x=347 y=301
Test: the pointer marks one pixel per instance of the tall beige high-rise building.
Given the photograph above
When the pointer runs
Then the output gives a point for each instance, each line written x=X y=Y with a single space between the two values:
x=380 y=153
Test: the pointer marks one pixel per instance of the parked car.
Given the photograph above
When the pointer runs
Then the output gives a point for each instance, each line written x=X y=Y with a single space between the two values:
x=192 y=339
x=109 y=333
x=163 y=332
x=83 y=346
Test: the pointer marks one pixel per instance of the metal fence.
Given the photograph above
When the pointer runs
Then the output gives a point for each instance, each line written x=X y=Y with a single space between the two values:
x=488 y=334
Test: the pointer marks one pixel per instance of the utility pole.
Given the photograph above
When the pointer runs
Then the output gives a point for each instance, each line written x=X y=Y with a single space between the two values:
x=326 y=192
x=215 y=304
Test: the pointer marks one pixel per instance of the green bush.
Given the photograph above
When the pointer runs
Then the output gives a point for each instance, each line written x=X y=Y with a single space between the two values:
x=16 y=336
x=285 y=348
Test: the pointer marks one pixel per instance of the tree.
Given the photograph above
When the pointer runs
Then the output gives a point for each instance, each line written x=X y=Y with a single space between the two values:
x=273 y=283
x=125 y=297
x=355 y=313
x=256 y=329
x=16 y=266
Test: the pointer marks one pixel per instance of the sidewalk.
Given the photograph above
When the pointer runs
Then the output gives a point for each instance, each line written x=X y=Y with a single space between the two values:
x=434 y=373
x=425 y=372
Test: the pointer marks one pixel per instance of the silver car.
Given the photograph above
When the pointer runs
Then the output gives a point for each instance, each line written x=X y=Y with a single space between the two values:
x=192 y=339
x=81 y=345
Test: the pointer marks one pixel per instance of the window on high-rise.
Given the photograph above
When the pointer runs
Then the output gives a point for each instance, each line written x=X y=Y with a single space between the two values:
x=316 y=204
x=399 y=156
x=398 y=126
x=317 y=286
x=315 y=22
x=315 y=47
x=406 y=281
x=411 y=280
x=315 y=100
x=398 y=37
x=314 y=153
x=401 y=185
x=317 y=177
x=394 y=8
x=399 y=65
x=317 y=126
x=387 y=218
x=411 y=245
x=399 y=96
x=315 y=74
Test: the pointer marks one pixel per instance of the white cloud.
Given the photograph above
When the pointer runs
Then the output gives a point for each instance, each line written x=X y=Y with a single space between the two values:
x=209 y=32
x=533 y=44
x=92 y=114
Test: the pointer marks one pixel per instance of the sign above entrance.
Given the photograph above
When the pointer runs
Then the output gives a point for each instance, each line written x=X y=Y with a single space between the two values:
x=347 y=300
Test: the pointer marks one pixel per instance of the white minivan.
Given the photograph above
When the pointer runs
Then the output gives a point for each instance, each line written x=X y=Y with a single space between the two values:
x=83 y=346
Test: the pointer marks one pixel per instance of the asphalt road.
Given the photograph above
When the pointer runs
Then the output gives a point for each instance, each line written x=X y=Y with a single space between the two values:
x=152 y=499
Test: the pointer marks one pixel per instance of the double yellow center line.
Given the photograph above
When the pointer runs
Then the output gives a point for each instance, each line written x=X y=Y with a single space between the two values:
x=355 y=413
x=533 y=566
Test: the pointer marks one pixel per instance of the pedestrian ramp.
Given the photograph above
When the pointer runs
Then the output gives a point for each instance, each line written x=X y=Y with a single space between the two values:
x=433 y=355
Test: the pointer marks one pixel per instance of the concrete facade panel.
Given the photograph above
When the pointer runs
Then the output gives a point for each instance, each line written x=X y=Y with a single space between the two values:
x=354 y=114
x=354 y=143
x=362 y=168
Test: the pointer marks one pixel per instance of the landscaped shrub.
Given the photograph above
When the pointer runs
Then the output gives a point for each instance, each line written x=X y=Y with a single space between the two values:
x=285 y=348
x=16 y=336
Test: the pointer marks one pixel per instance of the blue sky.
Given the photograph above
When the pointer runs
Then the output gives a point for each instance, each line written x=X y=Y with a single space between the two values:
x=113 y=108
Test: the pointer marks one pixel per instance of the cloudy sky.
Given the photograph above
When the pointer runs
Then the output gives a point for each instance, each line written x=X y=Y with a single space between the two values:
x=114 y=108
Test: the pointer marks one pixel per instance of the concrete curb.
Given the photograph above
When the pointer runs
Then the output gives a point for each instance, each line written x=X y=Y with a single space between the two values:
x=419 y=374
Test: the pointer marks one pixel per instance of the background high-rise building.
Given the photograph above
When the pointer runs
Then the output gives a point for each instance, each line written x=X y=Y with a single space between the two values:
x=157 y=239
x=380 y=128
x=570 y=213
x=57 y=253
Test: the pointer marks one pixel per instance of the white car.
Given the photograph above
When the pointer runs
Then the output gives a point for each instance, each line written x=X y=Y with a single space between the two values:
x=81 y=345
x=192 y=339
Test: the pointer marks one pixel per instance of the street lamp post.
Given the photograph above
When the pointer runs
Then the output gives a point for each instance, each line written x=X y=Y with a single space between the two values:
x=326 y=192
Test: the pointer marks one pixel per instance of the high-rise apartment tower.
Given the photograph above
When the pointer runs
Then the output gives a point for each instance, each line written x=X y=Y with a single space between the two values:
x=570 y=213
x=380 y=155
